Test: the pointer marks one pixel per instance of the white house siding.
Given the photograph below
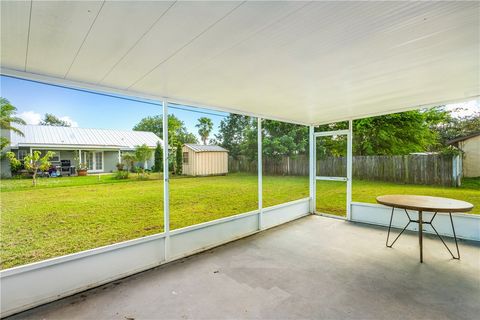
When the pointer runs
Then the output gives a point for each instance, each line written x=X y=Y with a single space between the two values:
x=471 y=159
x=5 y=169
x=110 y=160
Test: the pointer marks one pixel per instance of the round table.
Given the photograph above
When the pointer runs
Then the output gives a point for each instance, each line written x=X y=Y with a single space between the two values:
x=421 y=204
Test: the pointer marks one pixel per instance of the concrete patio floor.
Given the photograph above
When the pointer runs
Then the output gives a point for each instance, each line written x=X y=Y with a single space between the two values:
x=315 y=267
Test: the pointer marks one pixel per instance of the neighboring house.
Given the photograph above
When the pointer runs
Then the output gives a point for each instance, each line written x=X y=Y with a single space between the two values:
x=99 y=149
x=201 y=160
x=470 y=145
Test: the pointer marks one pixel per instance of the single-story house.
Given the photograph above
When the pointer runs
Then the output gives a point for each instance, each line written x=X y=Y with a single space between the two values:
x=100 y=149
x=203 y=160
x=470 y=145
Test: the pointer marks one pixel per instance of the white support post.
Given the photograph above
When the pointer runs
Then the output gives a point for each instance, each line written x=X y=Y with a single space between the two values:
x=119 y=156
x=260 y=173
x=349 y=169
x=166 y=207
x=312 y=168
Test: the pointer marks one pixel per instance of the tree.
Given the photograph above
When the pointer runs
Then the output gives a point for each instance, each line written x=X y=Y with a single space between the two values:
x=177 y=132
x=142 y=154
x=33 y=162
x=52 y=120
x=205 y=127
x=454 y=127
x=179 y=160
x=15 y=164
x=129 y=159
x=232 y=133
x=158 y=165
x=4 y=142
x=392 y=134
x=7 y=117
x=249 y=146
x=284 y=139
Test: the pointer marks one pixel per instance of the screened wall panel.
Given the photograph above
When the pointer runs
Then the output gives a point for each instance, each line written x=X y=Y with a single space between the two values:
x=285 y=162
x=98 y=172
x=212 y=165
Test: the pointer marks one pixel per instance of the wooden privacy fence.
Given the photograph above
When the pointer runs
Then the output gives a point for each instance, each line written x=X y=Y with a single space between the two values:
x=409 y=169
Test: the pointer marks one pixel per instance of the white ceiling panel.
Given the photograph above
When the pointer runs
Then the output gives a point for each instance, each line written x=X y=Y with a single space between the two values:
x=15 y=17
x=308 y=62
x=178 y=27
x=305 y=63
x=57 y=31
x=123 y=25
x=247 y=20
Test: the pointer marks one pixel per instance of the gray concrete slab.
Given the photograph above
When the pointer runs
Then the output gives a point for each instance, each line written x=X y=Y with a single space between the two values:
x=312 y=268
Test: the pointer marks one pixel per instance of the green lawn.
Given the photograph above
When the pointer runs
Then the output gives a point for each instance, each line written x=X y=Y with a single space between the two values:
x=66 y=215
x=331 y=195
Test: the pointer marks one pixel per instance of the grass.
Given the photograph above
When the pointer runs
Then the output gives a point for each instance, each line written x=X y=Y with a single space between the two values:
x=66 y=215
x=331 y=195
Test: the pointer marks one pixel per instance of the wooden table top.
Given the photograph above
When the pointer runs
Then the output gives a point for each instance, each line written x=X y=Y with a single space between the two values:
x=425 y=203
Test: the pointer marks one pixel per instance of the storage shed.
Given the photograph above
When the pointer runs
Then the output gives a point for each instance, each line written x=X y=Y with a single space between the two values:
x=203 y=160
x=470 y=145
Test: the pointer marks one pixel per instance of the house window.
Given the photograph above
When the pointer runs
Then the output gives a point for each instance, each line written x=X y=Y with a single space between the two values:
x=185 y=158
x=99 y=161
x=93 y=160
x=22 y=154
x=56 y=157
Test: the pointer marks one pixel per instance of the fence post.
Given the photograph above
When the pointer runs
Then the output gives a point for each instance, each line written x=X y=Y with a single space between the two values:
x=456 y=171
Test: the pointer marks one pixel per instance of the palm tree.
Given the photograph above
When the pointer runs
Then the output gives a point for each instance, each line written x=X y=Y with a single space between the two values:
x=7 y=112
x=205 y=126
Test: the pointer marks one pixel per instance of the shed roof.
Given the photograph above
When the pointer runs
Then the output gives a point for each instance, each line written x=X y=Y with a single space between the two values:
x=310 y=62
x=470 y=136
x=205 y=148
x=37 y=135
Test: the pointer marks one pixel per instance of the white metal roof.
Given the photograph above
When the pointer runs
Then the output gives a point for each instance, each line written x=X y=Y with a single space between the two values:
x=205 y=148
x=50 y=136
x=308 y=62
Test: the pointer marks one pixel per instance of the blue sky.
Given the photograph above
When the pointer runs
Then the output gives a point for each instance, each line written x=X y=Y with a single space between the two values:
x=89 y=110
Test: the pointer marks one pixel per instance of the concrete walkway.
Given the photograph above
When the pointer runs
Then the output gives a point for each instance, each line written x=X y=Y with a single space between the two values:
x=315 y=267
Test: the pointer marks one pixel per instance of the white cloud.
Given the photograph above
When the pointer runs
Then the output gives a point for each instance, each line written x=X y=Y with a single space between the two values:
x=70 y=121
x=31 y=117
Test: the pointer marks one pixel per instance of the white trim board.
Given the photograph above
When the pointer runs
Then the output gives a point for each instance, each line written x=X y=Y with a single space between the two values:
x=141 y=97
x=131 y=95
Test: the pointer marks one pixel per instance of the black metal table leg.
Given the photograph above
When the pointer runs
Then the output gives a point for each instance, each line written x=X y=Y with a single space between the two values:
x=390 y=226
x=420 y=234
x=440 y=237
x=455 y=237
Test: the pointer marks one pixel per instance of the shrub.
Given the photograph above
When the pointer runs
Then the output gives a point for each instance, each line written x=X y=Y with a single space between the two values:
x=121 y=175
x=33 y=162
x=179 y=159
x=142 y=174
x=158 y=166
